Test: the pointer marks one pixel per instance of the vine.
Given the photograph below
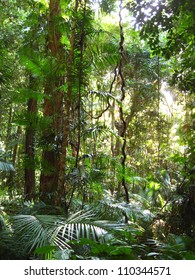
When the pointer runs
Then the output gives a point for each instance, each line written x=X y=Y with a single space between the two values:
x=123 y=123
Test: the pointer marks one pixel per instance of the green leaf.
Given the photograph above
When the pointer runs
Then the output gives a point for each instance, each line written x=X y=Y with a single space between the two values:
x=65 y=41
x=121 y=250
x=45 y=249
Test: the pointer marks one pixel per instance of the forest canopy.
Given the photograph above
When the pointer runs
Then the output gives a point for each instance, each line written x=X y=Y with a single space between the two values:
x=97 y=140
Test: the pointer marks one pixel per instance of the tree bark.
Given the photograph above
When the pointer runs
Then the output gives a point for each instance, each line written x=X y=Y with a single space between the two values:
x=61 y=188
x=52 y=110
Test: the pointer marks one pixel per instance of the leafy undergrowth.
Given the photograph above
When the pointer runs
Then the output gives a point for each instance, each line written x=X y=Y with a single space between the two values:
x=101 y=232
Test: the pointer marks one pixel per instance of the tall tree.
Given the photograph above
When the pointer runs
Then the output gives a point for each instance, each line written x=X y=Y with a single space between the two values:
x=31 y=50
x=53 y=106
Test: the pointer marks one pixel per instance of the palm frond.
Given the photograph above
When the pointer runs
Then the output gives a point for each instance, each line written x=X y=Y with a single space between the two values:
x=134 y=211
x=104 y=55
x=4 y=166
x=33 y=64
x=104 y=95
x=74 y=231
x=40 y=66
x=96 y=131
x=33 y=230
x=79 y=225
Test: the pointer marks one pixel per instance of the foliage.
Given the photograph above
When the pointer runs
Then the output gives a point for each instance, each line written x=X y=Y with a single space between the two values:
x=97 y=129
x=176 y=20
x=82 y=236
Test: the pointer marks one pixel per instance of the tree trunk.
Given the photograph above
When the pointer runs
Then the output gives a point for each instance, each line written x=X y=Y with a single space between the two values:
x=29 y=172
x=48 y=177
x=61 y=188
x=52 y=110
x=10 y=181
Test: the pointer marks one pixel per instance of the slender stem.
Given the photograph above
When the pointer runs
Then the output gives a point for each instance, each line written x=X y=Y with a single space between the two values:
x=121 y=114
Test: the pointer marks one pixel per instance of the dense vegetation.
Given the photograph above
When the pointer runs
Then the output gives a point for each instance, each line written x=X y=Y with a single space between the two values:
x=97 y=141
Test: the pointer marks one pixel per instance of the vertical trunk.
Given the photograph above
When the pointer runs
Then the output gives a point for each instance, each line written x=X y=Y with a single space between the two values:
x=80 y=77
x=49 y=171
x=29 y=172
x=10 y=180
x=52 y=109
x=61 y=188
x=4 y=175
x=159 y=117
x=15 y=149
x=112 y=112
x=9 y=127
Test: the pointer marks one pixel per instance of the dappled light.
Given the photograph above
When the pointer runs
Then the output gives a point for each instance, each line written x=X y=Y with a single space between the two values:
x=97 y=140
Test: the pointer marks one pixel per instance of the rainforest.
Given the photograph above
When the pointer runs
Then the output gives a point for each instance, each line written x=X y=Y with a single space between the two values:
x=97 y=139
